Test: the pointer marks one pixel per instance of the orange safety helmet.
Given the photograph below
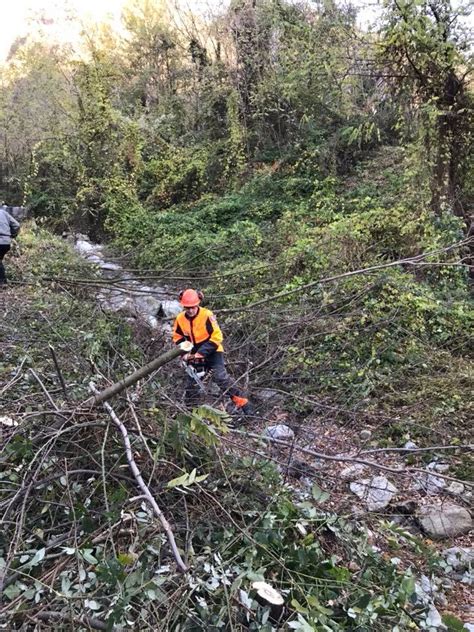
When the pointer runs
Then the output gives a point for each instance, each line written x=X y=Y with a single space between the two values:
x=190 y=298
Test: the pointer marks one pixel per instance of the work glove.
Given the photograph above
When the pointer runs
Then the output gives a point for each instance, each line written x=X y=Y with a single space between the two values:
x=190 y=358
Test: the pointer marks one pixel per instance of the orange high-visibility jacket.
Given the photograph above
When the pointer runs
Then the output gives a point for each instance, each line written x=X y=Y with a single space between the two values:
x=202 y=330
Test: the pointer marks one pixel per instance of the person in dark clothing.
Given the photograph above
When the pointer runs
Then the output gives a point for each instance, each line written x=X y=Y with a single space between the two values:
x=199 y=326
x=9 y=228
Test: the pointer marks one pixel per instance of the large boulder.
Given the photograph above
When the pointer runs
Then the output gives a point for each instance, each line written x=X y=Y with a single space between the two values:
x=444 y=521
x=147 y=305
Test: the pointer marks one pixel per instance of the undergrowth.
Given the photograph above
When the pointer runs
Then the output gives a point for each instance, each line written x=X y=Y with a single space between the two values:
x=77 y=538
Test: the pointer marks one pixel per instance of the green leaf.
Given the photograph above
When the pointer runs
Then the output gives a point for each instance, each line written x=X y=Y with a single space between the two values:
x=88 y=557
x=201 y=477
x=298 y=607
x=37 y=558
x=12 y=591
x=180 y=480
x=319 y=494
x=69 y=550
x=186 y=480
x=126 y=558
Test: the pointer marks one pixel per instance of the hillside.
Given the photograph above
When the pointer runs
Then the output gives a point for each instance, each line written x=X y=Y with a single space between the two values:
x=313 y=179
x=285 y=515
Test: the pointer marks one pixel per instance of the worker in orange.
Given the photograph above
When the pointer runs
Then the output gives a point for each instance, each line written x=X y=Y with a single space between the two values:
x=199 y=326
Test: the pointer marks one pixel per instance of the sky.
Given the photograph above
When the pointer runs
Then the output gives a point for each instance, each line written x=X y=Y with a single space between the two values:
x=54 y=17
x=16 y=16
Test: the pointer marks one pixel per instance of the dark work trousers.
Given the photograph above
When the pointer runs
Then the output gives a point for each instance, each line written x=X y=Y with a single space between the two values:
x=214 y=362
x=4 y=248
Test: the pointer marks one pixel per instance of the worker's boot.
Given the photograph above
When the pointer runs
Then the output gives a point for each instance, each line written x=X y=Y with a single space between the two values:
x=243 y=405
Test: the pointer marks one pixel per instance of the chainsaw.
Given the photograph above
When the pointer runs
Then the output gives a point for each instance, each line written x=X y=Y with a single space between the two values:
x=196 y=374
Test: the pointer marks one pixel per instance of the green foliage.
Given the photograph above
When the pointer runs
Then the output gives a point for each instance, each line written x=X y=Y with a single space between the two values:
x=243 y=151
x=425 y=44
x=180 y=174
x=452 y=623
x=68 y=320
x=241 y=525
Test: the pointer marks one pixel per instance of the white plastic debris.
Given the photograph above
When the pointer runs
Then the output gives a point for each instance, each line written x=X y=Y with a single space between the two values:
x=8 y=421
x=280 y=431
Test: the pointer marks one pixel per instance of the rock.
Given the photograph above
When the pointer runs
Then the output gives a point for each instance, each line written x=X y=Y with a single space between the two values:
x=170 y=309
x=151 y=321
x=444 y=521
x=115 y=301
x=270 y=396
x=357 y=512
x=440 y=600
x=442 y=468
x=429 y=483
x=467 y=496
x=427 y=592
x=433 y=619
x=409 y=445
x=377 y=492
x=84 y=247
x=456 y=489
x=81 y=237
x=353 y=472
x=365 y=435
x=147 y=305
x=280 y=431
x=108 y=265
x=18 y=212
x=459 y=558
x=93 y=258
x=469 y=627
x=307 y=482
x=424 y=590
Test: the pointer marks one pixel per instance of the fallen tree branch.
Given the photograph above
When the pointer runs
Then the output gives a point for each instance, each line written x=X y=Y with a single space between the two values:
x=464 y=446
x=91 y=622
x=141 y=483
x=44 y=389
x=118 y=387
x=344 y=275
x=346 y=459
x=58 y=371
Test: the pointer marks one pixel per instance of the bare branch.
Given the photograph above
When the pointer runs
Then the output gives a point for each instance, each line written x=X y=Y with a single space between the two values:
x=141 y=483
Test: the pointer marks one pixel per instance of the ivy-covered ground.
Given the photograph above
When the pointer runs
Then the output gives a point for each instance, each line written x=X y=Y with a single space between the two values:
x=81 y=549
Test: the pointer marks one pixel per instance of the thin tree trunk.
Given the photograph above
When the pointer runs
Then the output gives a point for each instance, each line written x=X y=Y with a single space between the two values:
x=118 y=387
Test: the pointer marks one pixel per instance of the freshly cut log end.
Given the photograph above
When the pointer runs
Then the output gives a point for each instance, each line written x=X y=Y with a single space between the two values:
x=186 y=346
x=268 y=594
